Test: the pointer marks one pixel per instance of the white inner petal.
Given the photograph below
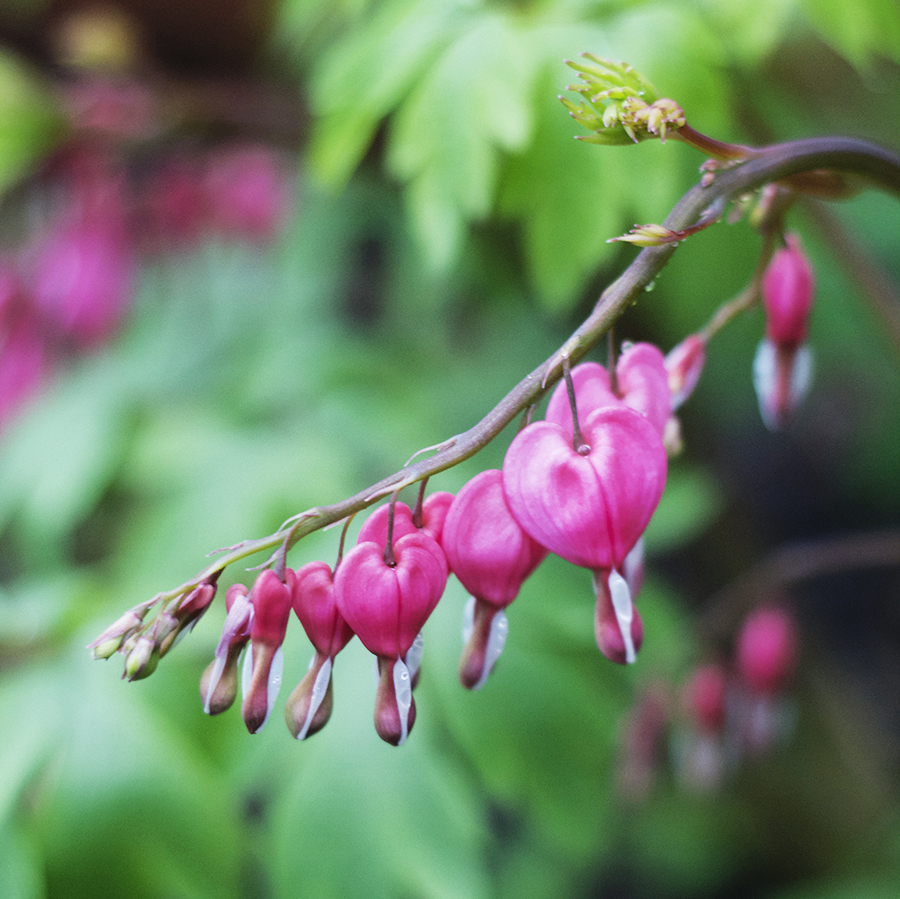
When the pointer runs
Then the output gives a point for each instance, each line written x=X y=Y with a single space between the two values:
x=624 y=609
x=496 y=642
x=274 y=684
x=403 y=695
x=413 y=658
x=468 y=620
x=214 y=678
x=320 y=688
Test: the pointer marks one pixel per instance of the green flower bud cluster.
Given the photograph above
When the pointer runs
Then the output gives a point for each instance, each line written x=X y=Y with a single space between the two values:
x=142 y=644
x=619 y=104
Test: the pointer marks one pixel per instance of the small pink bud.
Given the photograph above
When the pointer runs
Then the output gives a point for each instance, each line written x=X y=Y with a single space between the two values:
x=643 y=383
x=218 y=685
x=684 y=363
x=309 y=706
x=271 y=598
x=589 y=509
x=787 y=293
x=705 y=697
x=248 y=191
x=766 y=649
x=487 y=549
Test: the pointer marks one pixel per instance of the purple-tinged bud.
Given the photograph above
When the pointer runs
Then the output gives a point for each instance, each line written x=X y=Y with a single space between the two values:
x=142 y=659
x=218 y=685
x=115 y=635
x=271 y=598
x=684 y=363
x=766 y=651
x=705 y=697
x=787 y=293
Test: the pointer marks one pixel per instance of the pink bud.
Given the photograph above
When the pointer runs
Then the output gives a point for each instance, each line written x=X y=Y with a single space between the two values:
x=705 y=697
x=386 y=606
x=589 y=509
x=248 y=190
x=486 y=547
x=218 y=685
x=314 y=603
x=684 y=363
x=271 y=598
x=83 y=277
x=787 y=293
x=375 y=527
x=592 y=391
x=766 y=649
x=434 y=513
x=643 y=383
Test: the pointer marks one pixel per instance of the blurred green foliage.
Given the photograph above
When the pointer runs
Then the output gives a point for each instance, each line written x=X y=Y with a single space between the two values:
x=447 y=236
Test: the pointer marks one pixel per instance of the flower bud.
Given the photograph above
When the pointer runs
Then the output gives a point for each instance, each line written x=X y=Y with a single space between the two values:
x=218 y=685
x=142 y=659
x=787 y=293
x=705 y=697
x=112 y=638
x=309 y=706
x=271 y=598
x=491 y=556
x=766 y=650
x=684 y=363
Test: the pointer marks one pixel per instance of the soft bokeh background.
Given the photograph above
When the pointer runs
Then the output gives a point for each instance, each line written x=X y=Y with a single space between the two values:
x=418 y=229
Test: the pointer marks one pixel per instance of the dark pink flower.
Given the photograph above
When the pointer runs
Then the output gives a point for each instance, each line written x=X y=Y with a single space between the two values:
x=684 y=363
x=271 y=598
x=766 y=650
x=309 y=705
x=787 y=292
x=592 y=508
x=386 y=605
x=491 y=555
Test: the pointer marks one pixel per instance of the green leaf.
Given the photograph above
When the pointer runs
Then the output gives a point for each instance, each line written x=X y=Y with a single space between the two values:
x=30 y=123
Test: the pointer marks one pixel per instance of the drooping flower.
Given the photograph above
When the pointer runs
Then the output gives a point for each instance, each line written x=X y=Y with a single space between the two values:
x=491 y=555
x=309 y=705
x=386 y=604
x=766 y=649
x=642 y=384
x=591 y=504
x=271 y=598
x=218 y=684
x=782 y=367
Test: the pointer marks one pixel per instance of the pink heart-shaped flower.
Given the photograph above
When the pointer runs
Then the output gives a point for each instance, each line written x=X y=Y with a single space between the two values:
x=387 y=605
x=589 y=509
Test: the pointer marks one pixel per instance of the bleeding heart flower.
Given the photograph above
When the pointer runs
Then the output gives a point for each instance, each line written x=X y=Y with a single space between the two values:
x=491 y=555
x=386 y=606
x=309 y=706
x=271 y=598
x=643 y=385
x=589 y=509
